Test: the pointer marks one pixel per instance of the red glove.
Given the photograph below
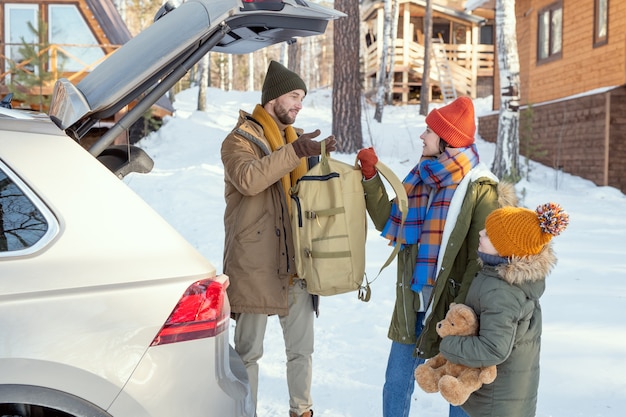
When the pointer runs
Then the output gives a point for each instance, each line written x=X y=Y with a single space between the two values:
x=367 y=158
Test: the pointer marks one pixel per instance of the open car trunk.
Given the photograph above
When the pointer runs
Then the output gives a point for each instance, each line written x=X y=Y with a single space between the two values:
x=146 y=67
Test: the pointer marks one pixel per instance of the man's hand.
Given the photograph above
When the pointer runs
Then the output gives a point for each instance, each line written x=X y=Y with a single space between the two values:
x=367 y=158
x=305 y=146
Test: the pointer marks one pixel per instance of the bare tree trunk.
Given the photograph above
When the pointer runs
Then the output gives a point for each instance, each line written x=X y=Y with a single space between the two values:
x=250 y=72
x=428 y=36
x=203 y=82
x=395 y=14
x=284 y=55
x=382 y=71
x=293 y=53
x=208 y=71
x=171 y=94
x=307 y=63
x=506 y=159
x=266 y=62
x=222 y=74
x=230 y=72
x=346 y=82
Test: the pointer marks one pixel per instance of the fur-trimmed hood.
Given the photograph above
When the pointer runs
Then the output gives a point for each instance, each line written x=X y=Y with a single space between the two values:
x=528 y=268
x=506 y=194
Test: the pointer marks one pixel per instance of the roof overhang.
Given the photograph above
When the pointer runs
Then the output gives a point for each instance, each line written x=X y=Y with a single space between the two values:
x=447 y=11
x=479 y=4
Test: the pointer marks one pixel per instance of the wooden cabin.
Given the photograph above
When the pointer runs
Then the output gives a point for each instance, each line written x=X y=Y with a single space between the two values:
x=462 y=59
x=573 y=86
x=69 y=36
x=76 y=36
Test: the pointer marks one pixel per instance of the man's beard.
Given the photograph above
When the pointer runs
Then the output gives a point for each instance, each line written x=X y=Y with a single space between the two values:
x=282 y=114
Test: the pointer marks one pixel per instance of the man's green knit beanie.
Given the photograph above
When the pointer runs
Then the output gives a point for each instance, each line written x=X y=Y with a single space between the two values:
x=278 y=81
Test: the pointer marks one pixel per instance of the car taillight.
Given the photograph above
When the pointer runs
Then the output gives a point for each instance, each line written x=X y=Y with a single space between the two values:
x=273 y=5
x=201 y=312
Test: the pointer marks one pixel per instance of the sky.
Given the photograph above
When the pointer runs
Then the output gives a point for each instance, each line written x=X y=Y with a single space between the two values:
x=583 y=358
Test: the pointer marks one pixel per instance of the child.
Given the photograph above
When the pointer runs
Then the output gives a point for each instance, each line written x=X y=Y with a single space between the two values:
x=517 y=256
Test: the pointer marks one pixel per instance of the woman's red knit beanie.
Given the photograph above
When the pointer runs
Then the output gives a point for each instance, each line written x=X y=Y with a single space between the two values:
x=454 y=122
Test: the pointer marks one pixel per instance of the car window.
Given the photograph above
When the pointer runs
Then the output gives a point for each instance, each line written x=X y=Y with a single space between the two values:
x=26 y=224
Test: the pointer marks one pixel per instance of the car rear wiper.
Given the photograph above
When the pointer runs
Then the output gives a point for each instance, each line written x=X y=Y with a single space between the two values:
x=163 y=10
x=6 y=101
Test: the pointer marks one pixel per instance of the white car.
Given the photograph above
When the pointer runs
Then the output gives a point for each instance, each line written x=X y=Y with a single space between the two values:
x=105 y=310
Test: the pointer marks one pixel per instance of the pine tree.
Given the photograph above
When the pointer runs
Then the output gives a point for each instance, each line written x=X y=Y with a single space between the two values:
x=31 y=74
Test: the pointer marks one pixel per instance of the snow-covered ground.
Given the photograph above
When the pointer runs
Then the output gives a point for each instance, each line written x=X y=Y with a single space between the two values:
x=583 y=363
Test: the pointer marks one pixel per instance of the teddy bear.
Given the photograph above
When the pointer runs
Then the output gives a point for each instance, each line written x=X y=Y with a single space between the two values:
x=455 y=382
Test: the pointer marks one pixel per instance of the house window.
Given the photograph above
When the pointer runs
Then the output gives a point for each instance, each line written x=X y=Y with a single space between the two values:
x=601 y=22
x=71 y=33
x=20 y=27
x=550 y=31
x=486 y=35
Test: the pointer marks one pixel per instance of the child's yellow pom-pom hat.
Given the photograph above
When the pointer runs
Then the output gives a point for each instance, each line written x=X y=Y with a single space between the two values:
x=518 y=231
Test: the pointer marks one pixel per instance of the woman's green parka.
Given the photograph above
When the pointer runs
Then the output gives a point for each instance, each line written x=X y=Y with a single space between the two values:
x=476 y=196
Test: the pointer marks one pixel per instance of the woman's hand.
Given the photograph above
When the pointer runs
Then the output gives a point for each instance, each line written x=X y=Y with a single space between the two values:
x=368 y=159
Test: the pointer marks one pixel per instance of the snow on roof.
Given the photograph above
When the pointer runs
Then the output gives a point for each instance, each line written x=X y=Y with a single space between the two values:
x=474 y=4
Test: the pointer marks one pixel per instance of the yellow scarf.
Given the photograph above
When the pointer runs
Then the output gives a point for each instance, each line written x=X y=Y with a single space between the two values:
x=274 y=137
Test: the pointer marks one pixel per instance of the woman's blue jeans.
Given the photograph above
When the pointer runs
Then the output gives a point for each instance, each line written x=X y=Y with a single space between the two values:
x=400 y=379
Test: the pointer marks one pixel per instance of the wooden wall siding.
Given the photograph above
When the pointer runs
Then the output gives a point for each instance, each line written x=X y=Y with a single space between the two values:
x=578 y=133
x=526 y=42
x=582 y=67
x=573 y=132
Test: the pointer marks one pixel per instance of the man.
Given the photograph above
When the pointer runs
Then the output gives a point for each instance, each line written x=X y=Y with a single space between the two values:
x=263 y=157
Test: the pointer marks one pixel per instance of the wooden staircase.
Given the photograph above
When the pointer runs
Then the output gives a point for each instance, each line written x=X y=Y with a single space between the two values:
x=440 y=58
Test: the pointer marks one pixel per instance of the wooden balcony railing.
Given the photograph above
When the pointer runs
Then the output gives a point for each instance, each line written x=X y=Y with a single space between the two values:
x=466 y=63
x=58 y=57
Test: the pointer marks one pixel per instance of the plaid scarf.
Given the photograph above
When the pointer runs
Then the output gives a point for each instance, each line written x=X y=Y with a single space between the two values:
x=430 y=187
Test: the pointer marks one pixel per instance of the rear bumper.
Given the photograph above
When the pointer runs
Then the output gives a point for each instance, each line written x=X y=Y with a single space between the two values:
x=205 y=387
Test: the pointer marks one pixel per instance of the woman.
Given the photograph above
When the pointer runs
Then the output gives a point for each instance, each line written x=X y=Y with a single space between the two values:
x=450 y=195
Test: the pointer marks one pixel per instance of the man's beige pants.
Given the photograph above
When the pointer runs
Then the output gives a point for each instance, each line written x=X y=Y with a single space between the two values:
x=298 y=336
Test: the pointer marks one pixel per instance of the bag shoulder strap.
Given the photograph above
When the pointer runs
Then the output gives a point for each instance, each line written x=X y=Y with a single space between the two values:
x=324 y=159
x=402 y=201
